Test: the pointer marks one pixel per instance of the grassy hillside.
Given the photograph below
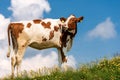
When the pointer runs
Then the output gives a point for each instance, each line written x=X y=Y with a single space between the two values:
x=105 y=69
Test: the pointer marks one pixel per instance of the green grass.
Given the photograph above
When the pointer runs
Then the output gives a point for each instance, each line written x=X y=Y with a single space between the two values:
x=105 y=69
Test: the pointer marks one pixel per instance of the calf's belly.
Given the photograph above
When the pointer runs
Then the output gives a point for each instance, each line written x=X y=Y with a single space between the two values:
x=43 y=45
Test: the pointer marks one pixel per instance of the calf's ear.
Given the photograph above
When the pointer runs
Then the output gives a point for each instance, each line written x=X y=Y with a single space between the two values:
x=62 y=19
x=80 y=19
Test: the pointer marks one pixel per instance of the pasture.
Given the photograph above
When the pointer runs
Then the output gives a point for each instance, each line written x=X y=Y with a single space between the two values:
x=104 y=69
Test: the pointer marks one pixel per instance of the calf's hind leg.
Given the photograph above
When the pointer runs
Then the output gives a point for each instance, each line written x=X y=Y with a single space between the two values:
x=13 y=64
x=16 y=60
x=19 y=57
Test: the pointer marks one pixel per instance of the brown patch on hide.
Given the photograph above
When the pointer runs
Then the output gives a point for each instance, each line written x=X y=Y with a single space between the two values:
x=16 y=29
x=56 y=28
x=44 y=39
x=46 y=25
x=37 y=21
x=60 y=25
x=51 y=35
x=64 y=38
x=72 y=24
x=29 y=25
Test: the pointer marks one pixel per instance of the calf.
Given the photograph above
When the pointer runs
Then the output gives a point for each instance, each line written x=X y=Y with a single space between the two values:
x=41 y=34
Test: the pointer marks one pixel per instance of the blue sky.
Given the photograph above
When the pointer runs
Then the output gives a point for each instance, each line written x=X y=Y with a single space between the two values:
x=95 y=12
x=85 y=48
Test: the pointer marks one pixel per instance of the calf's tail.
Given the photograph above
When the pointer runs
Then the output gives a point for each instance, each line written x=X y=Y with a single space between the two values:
x=9 y=31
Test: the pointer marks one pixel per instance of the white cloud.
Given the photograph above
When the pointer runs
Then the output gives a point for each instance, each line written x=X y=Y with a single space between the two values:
x=39 y=60
x=28 y=9
x=3 y=26
x=4 y=64
x=104 y=30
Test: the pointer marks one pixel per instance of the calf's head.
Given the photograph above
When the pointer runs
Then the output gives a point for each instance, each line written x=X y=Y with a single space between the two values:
x=70 y=23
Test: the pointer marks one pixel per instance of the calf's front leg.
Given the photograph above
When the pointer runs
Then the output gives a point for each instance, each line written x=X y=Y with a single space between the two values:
x=61 y=56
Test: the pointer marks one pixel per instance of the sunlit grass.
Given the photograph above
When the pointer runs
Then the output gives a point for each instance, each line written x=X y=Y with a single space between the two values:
x=104 y=69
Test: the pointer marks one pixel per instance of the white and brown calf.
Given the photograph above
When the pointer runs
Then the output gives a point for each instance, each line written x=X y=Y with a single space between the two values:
x=41 y=34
